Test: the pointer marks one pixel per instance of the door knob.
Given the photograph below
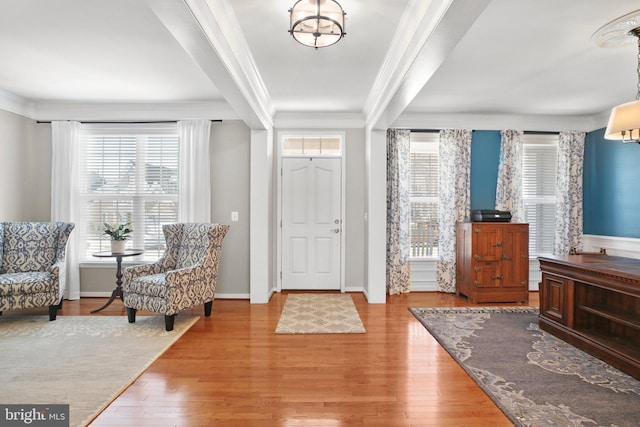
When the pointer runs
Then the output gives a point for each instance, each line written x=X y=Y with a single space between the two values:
x=336 y=230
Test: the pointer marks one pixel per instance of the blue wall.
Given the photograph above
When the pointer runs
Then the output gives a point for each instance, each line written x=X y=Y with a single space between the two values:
x=485 y=157
x=611 y=187
x=611 y=182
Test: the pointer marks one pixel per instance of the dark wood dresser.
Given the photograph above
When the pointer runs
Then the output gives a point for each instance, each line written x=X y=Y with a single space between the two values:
x=593 y=302
x=492 y=261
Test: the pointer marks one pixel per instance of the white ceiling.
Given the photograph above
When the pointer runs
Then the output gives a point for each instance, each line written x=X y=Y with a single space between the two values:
x=519 y=57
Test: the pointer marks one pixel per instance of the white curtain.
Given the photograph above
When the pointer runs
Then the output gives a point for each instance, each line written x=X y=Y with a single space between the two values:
x=454 y=200
x=398 y=211
x=193 y=171
x=509 y=185
x=65 y=178
x=569 y=193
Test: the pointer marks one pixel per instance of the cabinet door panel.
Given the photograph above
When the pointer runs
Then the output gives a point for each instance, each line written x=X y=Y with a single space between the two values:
x=487 y=275
x=515 y=256
x=552 y=298
x=487 y=243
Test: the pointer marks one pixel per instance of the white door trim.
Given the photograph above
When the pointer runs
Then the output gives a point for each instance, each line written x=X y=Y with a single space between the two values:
x=344 y=225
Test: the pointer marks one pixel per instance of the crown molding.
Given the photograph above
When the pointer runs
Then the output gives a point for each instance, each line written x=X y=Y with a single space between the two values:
x=232 y=68
x=430 y=31
x=319 y=120
x=46 y=111
x=16 y=104
x=402 y=51
x=548 y=123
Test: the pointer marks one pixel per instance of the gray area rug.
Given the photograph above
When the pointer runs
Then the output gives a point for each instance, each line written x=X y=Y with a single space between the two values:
x=535 y=378
x=319 y=314
x=83 y=361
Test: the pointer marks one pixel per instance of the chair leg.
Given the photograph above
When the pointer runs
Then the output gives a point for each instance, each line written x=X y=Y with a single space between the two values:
x=131 y=314
x=168 y=322
x=53 y=312
x=60 y=304
x=207 y=308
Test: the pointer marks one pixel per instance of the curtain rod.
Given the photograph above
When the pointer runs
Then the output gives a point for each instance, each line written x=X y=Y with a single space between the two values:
x=526 y=132
x=540 y=132
x=127 y=123
x=425 y=130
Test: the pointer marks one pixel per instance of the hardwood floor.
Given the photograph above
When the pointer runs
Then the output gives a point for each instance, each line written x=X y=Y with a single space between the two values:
x=232 y=370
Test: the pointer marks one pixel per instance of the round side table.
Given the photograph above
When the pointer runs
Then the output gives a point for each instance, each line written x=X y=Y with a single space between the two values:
x=117 y=292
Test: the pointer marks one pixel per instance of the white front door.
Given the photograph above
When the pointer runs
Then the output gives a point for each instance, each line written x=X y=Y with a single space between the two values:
x=311 y=223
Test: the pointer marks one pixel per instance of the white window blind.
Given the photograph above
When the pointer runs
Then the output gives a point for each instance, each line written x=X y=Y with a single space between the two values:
x=129 y=174
x=539 y=169
x=424 y=194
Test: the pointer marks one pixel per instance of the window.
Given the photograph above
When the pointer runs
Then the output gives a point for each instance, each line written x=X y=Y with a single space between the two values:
x=424 y=194
x=311 y=145
x=539 y=169
x=129 y=173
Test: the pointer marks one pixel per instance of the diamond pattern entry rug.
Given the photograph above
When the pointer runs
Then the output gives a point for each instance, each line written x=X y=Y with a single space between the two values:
x=319 y=314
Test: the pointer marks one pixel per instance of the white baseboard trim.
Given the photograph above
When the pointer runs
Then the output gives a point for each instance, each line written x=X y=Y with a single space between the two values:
x=619 y=246
x=365 y=293
x=354 y=288
x=95 y=294
x=108 y=294
x=232 y=296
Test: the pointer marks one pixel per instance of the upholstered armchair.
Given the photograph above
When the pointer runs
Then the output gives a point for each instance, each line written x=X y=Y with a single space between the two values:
x=184 y=277
x=32 y=265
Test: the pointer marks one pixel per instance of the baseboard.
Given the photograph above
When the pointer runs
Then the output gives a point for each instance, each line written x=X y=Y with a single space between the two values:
x=354 y=288
x=95 y=294
x=108 y=294
x=232 y=296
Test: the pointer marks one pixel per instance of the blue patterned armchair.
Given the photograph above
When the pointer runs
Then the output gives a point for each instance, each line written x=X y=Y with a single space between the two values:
x=184 y=277
x=32 y=266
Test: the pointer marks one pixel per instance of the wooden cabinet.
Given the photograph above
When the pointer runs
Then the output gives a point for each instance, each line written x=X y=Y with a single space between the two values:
x=492 y=261
x=593 y=302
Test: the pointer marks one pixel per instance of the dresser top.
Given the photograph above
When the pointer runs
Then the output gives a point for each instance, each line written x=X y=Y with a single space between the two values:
x=627 y=267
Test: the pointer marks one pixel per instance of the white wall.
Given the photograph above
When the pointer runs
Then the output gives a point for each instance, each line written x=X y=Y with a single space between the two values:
x=230 y=156
x=25 y=169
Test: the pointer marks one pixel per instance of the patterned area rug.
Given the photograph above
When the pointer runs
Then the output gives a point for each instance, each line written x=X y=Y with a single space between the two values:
x=83 y=361
x=319 y=314
x=534 y=377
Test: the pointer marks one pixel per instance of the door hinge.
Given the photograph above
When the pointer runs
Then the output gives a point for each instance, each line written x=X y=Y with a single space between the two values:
x=281 y=275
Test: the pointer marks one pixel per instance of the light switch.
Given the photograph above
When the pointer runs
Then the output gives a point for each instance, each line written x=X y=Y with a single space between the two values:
x=234 y=216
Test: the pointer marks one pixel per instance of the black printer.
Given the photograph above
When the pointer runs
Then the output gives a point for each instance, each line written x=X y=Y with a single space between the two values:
x=490 y=215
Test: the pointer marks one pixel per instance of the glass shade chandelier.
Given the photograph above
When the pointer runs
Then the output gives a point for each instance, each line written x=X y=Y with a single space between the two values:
x=317 y=23
x=624 y=121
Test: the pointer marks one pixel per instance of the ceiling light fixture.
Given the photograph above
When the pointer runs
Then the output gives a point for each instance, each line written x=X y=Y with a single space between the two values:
x=624 y=122
x=317 y=23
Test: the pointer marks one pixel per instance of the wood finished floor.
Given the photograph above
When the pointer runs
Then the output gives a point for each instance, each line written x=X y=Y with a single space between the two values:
x=232 y=370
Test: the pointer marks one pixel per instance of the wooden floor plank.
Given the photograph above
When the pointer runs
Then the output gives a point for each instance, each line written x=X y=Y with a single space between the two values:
x=232 y=369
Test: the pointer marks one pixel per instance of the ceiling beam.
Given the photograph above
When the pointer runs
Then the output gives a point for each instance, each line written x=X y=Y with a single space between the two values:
x=427 y=33
x=209 y=32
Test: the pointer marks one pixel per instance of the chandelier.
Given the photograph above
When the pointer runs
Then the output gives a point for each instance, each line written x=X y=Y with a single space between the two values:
x=624 y=122
x=317 y=23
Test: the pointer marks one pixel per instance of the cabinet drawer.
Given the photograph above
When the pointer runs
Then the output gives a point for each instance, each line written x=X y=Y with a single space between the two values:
x=487 y=275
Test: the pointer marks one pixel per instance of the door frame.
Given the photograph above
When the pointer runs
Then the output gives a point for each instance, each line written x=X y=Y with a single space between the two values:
x=343 y=224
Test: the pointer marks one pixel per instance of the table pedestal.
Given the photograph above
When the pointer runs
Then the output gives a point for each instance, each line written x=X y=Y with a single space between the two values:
x=117 y=292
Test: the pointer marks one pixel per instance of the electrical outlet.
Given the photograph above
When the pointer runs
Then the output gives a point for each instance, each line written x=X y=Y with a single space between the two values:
x=234 y=216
